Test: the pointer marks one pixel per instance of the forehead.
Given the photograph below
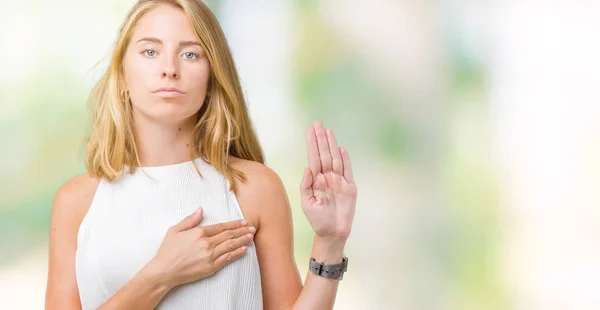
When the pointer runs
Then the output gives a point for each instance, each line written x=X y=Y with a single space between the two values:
x=165 y=22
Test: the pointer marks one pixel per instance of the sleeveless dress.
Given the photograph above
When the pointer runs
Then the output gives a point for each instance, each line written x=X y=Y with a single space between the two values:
x=127 y=221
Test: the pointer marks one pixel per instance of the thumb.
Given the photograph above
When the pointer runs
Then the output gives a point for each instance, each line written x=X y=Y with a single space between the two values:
x=306 y=191
x=190 y=221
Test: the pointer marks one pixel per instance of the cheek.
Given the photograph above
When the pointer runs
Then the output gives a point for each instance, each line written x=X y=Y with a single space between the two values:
x=200 y=73
x=136 y=74
x=198 y=78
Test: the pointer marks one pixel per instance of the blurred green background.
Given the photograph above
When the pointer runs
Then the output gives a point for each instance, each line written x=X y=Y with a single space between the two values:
x=453 y=113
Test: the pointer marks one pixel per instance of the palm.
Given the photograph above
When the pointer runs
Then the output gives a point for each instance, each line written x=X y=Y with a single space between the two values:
x=328 y=189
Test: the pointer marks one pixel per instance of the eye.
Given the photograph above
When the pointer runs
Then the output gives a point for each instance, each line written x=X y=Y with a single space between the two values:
x=190 y=55
x=149 y=52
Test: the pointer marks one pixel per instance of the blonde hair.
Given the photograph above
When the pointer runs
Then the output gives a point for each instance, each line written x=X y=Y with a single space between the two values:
x=223 y=126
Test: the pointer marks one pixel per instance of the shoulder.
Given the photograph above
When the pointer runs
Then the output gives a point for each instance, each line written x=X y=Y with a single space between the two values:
x=71 y=202
x=75 y=196
x=263 y=194
x=258 y=176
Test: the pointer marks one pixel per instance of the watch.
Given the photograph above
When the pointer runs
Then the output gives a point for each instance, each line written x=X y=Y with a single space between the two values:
x=335 y=272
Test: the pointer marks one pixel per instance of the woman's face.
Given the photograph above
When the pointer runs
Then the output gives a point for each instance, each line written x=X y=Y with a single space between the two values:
x=166 y=70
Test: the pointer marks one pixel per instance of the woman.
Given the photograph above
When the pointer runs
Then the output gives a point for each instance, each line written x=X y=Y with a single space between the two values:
x=177 y=210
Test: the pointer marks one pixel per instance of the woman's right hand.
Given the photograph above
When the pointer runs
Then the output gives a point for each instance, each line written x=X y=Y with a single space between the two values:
x=189 y=252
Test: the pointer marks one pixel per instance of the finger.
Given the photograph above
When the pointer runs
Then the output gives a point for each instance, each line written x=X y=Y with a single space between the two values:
x=214 y=229
x=232 y=234
x=306 y=184
x=232 y=244
x=336 y=156
x=190 y=221
x=347 y=166
x=230 y=257
x=312 y=151
x=324 y=153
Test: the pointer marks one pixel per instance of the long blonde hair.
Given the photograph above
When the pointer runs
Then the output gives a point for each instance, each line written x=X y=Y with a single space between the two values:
x=223 y=126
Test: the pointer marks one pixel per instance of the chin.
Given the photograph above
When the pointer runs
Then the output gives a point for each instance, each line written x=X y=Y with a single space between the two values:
x=170 y=114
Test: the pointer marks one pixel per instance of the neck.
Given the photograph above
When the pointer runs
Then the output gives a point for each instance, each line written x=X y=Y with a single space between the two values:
x=163 y=144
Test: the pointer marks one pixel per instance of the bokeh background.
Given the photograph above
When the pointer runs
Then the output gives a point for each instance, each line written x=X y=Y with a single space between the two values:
x=473 y=127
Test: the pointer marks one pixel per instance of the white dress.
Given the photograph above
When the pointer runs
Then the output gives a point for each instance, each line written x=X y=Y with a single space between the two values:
x=127 y=221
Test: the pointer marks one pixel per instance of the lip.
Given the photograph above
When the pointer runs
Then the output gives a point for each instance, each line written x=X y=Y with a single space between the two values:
x=168 y=92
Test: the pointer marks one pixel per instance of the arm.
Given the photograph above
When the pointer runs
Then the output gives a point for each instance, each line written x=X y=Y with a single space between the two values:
x=274 y=244
x=328 y=194
x=144 y=291
x=263 y=194
x=281 y=283
x=320 y=292
x=70 y=204
x=328 y=201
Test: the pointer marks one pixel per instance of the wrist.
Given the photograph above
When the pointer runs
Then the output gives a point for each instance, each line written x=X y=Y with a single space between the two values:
x=156 y=274
x=328 y=251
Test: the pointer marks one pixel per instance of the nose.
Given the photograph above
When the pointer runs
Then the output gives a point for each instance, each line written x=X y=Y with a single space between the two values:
x=170 y=69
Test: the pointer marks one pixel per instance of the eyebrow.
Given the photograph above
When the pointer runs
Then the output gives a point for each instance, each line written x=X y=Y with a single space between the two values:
x=182 y=43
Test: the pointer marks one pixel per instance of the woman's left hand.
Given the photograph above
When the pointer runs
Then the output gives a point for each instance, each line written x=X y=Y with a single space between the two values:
x=327 y=189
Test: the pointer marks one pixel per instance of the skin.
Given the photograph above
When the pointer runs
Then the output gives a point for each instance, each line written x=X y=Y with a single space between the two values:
x=189 y=253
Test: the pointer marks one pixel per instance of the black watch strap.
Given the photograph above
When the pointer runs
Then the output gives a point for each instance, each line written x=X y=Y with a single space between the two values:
x=335 y=272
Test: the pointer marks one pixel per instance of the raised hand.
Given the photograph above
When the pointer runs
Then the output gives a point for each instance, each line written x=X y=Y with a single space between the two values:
x=327 y=189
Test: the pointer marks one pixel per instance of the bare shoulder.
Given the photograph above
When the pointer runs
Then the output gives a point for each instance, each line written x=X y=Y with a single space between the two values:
x=262 y=190
x=71 y=203
x=75 y=196
x=258 y=175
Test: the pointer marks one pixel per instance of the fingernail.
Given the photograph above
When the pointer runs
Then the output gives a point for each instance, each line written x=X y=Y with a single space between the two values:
x=198 y=210
x=244 y=222
x=252 y=229
x=250 y=236
x=244 y=248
